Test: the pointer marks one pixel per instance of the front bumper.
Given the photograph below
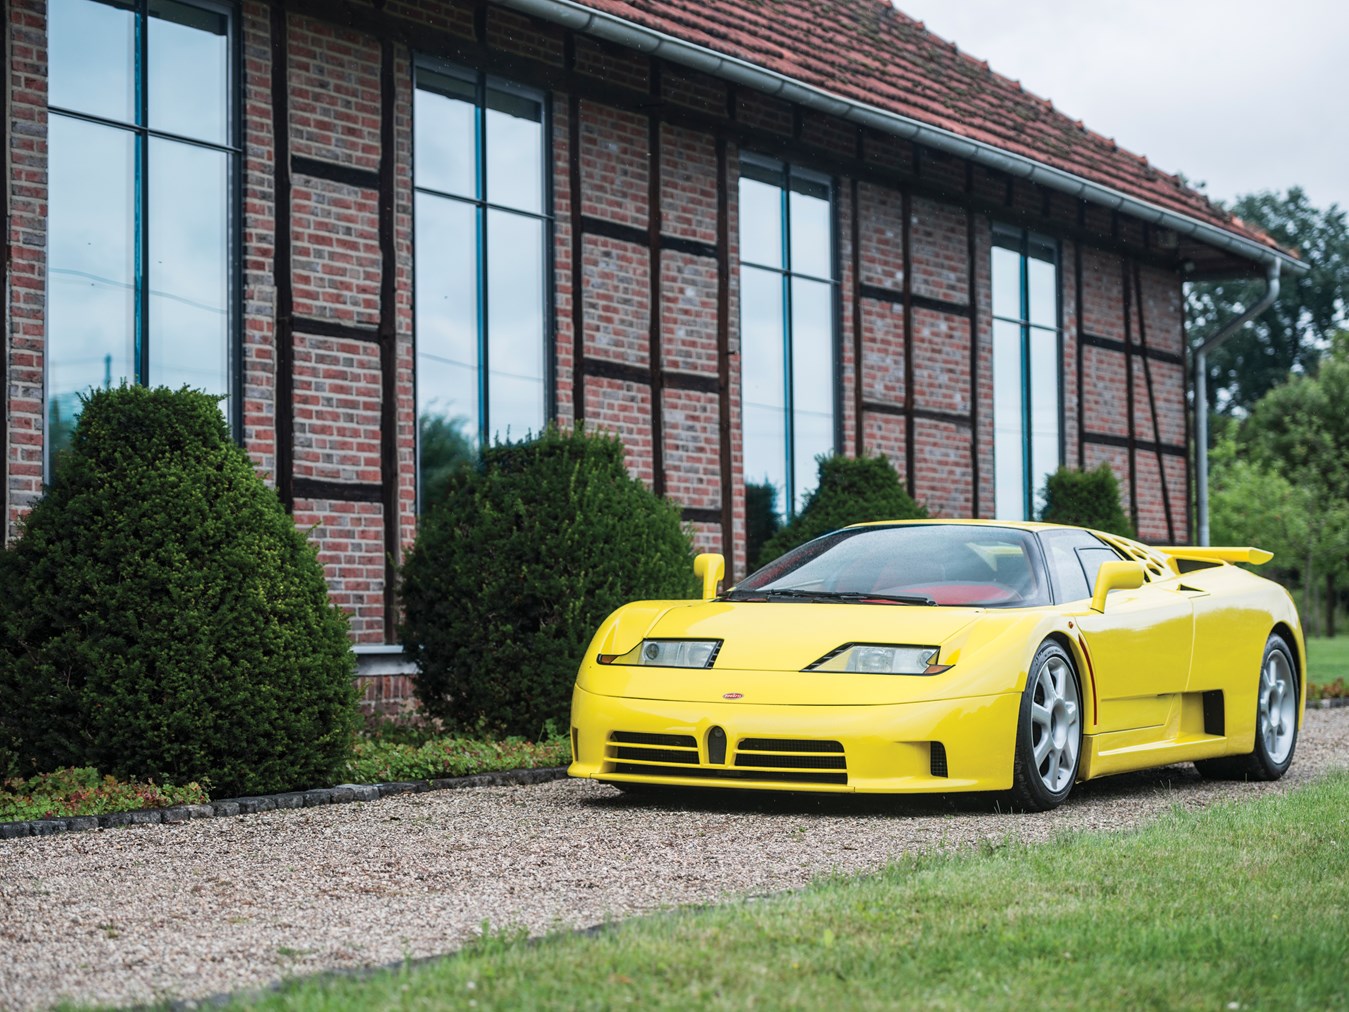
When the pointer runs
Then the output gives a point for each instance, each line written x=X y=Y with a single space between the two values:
x=925 y=747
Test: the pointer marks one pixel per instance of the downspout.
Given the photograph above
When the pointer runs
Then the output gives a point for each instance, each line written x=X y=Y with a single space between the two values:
x=1201 y=392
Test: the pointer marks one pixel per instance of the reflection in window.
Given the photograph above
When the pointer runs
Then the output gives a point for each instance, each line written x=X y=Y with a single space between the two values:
x=1026 y=370
x=141 y=167
x=482 y=237
x=787 y=313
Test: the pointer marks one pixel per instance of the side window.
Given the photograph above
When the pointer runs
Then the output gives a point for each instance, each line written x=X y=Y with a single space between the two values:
x=1074 y=559
x=1093 y=559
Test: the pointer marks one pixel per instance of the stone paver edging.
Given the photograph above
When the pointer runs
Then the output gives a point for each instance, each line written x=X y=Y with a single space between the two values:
x=229 y=807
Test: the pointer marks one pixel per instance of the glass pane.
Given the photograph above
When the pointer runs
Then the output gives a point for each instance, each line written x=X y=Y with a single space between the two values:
x=1009 y=481
x=1042 y=287
x=1044 y=409
x=91 y=57
x=760 y=223
x=514 y=151
x=517 y=340
x=187 y=267
x=1006 y=283
x=764 y=381
x=446 y=315
x=91 y=272
x=1072 y=582
x=812 y=237
x=812 y=381
x=188 y=82
x=445 y=148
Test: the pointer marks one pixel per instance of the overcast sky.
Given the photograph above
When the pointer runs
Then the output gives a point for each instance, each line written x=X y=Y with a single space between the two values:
x=1243 y=96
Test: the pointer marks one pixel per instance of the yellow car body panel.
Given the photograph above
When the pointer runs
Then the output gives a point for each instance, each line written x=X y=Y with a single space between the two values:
x=1168 y=672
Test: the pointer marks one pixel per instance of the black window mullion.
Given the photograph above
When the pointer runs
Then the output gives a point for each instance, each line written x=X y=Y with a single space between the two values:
x=484 y=319
x=141 y=336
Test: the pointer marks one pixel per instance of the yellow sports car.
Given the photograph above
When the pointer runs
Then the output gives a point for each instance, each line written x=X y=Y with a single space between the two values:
x=945 y=656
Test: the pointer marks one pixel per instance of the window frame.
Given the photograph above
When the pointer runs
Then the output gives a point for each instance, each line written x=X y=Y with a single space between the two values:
x=789 y=172
x=481 y=81
x=142 y=134
x=1020 y=241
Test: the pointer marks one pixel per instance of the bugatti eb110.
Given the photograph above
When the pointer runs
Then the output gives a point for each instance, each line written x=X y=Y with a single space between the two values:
x=948 y=656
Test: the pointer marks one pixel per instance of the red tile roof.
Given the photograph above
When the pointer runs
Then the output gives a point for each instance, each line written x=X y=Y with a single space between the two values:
x=870 y=53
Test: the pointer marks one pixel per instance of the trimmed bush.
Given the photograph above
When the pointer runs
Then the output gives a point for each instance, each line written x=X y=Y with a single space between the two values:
x=1086 y=499
x=761 y=519
x=513 y=571
x=162 y=618
x=850 y=491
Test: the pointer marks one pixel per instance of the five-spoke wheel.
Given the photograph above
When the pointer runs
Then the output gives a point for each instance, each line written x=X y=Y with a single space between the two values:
x=1276 y=710
x=1049 y=733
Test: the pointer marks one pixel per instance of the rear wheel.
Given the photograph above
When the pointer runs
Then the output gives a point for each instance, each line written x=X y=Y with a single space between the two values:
x=1276 y=711
x=1049 y=732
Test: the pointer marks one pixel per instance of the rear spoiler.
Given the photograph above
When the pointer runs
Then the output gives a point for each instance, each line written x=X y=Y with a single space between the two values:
x=1253 y=556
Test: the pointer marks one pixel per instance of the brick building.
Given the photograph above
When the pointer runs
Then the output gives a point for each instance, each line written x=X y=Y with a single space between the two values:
x=739 y=234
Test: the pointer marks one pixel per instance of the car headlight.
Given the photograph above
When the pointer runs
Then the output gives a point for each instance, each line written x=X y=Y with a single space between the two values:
x=881 y=659
x=668 y=654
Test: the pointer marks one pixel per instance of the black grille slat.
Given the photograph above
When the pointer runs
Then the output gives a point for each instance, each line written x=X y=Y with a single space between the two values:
x=707 y=773
x=798 y=762
x=938 y=760
x=654 y=755
x=788 y=745
x=641 y=738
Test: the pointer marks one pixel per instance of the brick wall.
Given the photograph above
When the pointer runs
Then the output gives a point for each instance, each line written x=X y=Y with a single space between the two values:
x=915 y=373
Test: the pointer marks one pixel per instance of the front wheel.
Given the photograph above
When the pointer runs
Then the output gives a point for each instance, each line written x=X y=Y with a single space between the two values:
x=1276 y=710
x=1049 y=732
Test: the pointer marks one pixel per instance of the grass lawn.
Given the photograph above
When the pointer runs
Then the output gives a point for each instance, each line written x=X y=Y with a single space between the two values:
x=1327 y=659
x=1240 y=906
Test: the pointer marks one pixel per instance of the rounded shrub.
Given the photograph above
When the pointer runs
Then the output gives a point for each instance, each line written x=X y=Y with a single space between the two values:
x=162 y=618
x=516 y=567
x=1086 y=499
x=850 y=491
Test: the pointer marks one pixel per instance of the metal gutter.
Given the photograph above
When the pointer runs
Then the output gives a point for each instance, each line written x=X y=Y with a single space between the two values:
x=628 y=34
x=1201 y=394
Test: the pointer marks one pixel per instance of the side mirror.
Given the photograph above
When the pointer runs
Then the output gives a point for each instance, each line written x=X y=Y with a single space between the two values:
x=709 y=567
x=1115 y=576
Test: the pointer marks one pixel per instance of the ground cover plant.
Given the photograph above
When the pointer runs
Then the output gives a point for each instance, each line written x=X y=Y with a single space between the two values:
x=1237 y=906
x=386 y=752
x=376 y=760
x=81 y=791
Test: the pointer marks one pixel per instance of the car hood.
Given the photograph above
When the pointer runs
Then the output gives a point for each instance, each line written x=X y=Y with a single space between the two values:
x=765 y=646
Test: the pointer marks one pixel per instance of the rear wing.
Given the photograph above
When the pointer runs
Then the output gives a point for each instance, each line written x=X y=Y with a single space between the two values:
x=1252 y=556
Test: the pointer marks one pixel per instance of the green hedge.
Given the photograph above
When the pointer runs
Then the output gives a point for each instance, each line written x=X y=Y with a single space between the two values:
x=162 y=618
x=1086 y=499
x=515 y=568
x=850 y=491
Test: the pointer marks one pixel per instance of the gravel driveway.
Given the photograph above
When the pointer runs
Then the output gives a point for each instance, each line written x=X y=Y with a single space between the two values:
x=150 y=912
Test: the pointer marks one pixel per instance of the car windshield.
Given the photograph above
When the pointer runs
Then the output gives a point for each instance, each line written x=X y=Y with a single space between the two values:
x=961 y=565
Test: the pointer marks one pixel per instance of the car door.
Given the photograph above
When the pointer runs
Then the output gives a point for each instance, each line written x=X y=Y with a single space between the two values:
x=1140 y=646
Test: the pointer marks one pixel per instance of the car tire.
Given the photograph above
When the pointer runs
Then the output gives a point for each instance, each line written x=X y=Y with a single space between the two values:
x=1276 y=710
x=1048 y=732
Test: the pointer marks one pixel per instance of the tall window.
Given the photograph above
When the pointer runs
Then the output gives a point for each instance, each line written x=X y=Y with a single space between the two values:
x=141 y=176
x=1026 y=370
x=482 y=247
x=787 y=285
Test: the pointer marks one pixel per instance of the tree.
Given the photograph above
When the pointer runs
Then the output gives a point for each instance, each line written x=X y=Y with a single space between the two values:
x=1300 y=430
x=1293 y=334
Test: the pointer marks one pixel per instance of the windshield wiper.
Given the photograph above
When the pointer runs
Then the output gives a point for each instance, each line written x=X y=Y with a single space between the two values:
x=855 y=596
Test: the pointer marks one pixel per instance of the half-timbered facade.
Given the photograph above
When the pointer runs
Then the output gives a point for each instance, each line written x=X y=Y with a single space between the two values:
x=737 y=234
